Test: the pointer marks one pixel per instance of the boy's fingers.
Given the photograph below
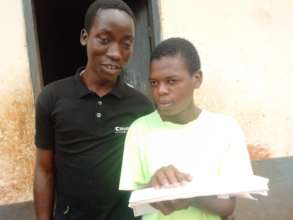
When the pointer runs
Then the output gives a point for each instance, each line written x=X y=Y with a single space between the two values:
x=186 y=177
x=159 y=179
x=180 y=204
x=168 y=176
x=167 y=207
x=173 y=175
x=164 y=208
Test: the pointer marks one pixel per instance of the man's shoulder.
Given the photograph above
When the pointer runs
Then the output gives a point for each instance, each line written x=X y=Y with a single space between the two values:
x=52 y=91
x=136 y=97
x=131 y=91
x=58 y=87
x=63 y=84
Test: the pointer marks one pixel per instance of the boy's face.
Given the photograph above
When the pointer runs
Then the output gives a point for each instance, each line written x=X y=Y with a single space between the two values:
x=172 y=85
x=109 y=42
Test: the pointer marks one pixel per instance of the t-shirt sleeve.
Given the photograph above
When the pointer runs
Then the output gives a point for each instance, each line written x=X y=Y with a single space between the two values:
x=132 y=175
x=44 y=135
x=236 y=159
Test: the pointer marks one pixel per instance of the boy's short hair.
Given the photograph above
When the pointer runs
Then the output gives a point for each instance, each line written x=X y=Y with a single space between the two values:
x=105 y=4
x=178 y=46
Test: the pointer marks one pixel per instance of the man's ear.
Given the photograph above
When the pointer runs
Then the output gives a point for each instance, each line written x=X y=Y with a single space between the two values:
x=197 y=79
x=83 y=37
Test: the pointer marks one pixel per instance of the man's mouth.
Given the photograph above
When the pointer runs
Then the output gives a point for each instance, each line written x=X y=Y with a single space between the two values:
x=112 y=66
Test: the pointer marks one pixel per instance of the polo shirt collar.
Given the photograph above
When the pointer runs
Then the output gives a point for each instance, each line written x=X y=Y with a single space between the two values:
x=81 y=89
x=117 y=91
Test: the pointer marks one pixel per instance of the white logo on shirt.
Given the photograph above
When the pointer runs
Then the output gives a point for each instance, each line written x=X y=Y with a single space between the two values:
x=121 y=130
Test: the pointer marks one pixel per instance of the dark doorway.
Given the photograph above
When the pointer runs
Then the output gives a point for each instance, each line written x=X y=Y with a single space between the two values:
x=58 y=26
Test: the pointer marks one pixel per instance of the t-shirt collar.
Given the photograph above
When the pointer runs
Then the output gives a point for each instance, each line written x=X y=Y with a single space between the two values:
x=82 y=91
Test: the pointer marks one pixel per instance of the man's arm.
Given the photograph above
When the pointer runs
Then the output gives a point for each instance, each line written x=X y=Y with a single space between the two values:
x=170 y=176
x=44 y=184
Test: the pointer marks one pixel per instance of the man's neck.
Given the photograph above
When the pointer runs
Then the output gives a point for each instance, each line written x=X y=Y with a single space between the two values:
x=98 y=84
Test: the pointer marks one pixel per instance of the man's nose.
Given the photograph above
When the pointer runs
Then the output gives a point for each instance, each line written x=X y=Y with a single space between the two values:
x=114 y=51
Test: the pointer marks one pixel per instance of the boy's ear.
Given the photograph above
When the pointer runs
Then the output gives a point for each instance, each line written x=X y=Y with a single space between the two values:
x=197 y=79
x=83 y=37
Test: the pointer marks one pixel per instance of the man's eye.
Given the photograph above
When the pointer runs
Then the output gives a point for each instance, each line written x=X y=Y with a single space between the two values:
x=153 y=83
x=127 y=45
x=104 y=40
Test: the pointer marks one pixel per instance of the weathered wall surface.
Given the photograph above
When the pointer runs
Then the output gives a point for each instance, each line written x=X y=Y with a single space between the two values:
x=246 y=51
x=16 y=112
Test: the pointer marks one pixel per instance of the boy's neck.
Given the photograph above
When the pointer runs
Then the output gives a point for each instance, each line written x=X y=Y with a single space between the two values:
x=183 y=117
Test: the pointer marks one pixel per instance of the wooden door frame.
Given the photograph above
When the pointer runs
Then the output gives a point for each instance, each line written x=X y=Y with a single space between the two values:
x=154 y=22
x=33 y=47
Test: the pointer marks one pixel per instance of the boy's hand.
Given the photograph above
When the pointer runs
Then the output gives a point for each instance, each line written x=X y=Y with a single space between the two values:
x=170 y=177
x=167 y=207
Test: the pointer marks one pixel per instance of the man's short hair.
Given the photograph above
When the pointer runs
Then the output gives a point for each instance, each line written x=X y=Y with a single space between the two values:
x=178 y=46
x=104 y=4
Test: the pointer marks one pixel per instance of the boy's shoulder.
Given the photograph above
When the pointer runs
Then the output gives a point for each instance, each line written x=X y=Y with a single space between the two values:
x=147 y=121
x=219 y=120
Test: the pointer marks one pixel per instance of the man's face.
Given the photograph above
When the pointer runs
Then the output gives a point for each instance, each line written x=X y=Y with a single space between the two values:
x=109 y=42
x=172 y=85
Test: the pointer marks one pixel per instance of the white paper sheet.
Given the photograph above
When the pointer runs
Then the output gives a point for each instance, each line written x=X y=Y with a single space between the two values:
x=219 y=186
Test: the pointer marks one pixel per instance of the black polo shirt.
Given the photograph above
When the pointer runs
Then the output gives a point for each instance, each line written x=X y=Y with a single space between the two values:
x=86 y=133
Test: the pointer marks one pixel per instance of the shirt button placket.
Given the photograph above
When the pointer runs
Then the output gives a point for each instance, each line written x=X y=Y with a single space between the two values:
x=99 y=114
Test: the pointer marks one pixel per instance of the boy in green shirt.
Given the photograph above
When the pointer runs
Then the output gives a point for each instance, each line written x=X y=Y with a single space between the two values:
x=179 y=141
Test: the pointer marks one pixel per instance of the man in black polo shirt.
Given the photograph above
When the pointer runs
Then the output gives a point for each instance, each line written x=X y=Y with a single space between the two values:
x=81 y=123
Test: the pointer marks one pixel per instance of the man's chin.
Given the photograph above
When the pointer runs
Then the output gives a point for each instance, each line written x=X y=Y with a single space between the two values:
x=109 y=76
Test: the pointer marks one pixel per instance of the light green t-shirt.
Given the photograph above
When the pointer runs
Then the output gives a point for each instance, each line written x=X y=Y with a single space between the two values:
x=212 y=145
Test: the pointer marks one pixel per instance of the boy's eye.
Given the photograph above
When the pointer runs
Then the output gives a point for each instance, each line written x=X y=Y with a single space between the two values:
x=171 y=81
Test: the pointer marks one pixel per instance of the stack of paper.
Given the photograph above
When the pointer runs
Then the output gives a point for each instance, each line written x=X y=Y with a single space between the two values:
x=220 y=186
